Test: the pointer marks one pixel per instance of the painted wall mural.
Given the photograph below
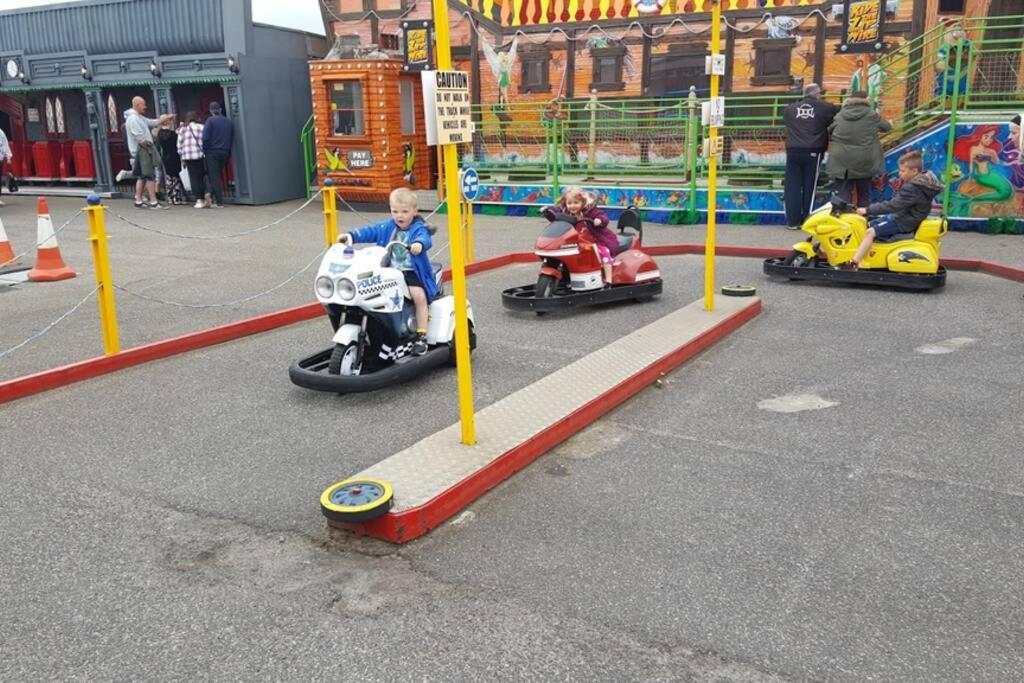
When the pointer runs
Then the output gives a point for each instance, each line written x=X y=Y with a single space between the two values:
x=987 y=171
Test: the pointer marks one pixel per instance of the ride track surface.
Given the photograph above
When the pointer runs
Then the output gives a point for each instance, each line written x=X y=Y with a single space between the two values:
x=874 y=538
x=30 y=384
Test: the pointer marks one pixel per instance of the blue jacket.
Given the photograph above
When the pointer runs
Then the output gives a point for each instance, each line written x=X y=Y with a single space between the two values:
x=384 y=232
x=218 y=134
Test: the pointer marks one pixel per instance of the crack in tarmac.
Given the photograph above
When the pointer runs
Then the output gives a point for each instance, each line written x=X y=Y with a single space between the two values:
x=337 y=575
x=855 y=470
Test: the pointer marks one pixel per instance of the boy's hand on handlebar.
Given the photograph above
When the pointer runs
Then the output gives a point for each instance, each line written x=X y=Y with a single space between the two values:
x=416 y=248
x=862 y=211
x=345 y=239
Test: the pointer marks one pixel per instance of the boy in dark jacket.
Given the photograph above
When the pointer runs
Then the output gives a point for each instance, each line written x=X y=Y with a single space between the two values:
x=904 y=212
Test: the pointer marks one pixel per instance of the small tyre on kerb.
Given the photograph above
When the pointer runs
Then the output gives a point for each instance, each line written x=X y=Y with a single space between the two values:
x=356 y=500
x=739 y=290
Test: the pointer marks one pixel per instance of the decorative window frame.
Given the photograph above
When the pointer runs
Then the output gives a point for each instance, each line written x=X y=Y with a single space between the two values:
x=50 y=116
x=765 y=47
x=365 y=94
x=617 y=52
x=531 y=57
x=113 y=122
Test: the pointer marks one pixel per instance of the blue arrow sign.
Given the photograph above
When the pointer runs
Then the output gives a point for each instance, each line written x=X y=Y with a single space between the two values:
x=470 y=184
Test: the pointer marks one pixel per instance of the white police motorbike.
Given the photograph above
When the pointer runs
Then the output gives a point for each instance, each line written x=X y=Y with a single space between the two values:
x=374 y=321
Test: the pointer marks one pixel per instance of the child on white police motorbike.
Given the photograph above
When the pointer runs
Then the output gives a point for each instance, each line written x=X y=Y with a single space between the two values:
x=407 y=227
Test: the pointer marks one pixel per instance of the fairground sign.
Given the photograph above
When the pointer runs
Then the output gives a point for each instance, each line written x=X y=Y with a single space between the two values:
x=417 y=53
x=863 y=26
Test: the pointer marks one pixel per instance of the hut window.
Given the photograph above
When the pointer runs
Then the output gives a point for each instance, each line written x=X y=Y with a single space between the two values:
x=534 y=74
x=112 y=113
x=607 y=68
x=347 y=108
x=51 y=126
x=58 y=116
x=951 y=6
x=389 y=5
x=772 y=61
x=350 y=6
x=407 y=104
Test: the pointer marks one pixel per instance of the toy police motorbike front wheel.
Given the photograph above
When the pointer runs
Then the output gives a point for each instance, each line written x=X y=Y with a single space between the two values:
x=345 y=360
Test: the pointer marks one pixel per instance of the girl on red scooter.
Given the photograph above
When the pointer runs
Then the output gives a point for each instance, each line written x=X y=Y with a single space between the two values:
x=580 y=204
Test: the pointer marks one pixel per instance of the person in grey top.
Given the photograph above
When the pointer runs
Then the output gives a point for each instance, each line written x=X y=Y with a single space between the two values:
x=137 y=130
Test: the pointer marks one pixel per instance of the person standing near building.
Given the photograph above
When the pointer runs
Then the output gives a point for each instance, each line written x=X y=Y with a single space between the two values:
x=218 y=135
x=190 y=148
x=167 y=139
x=856 y=154
x=143 y=150
x=806 y=122
x=6 y=155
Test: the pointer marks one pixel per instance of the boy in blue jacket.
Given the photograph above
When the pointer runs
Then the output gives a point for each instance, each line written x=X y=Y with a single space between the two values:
x=407 y=227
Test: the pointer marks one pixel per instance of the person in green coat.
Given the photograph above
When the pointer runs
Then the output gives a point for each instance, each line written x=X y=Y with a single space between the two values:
x=855 y=154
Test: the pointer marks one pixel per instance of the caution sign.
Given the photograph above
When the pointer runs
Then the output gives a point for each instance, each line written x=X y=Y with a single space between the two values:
x=446 y=103
x=863 y=26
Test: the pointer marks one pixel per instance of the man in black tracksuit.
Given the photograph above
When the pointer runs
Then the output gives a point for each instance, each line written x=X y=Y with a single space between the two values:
x=807 y=123
x=218 y=136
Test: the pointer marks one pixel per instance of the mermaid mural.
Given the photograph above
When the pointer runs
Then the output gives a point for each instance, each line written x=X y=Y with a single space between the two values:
x=1010 y=154
x=985 y=182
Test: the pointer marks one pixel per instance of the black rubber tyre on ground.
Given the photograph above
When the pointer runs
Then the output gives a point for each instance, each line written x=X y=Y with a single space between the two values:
x=345 y=357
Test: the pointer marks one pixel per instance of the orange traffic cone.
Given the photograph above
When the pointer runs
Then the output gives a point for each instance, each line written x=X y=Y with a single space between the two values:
x=49 y=264
x=6 y=253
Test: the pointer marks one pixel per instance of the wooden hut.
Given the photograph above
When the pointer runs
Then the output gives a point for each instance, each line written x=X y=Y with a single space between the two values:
x=368 y=120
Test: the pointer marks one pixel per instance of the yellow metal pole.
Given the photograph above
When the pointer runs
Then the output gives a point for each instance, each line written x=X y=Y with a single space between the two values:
x=450 y=162
x=101 y=260
x=330 y=213
x=709 y=246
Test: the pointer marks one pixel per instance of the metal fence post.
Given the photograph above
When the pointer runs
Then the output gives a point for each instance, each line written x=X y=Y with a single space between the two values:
x=948 y=174
x=691 y=153
x=330 y=213
x=104 y=281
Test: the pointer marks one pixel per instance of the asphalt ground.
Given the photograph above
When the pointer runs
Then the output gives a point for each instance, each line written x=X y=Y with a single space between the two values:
x=162 y=521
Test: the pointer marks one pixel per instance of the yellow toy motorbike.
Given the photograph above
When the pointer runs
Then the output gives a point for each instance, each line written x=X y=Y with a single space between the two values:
x=909 y=261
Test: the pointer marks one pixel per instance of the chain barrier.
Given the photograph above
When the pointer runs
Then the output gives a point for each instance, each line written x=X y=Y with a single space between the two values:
x=225 y=304
x=370 y=220
x=243 y=233
x=46 y=329
x=36 y=246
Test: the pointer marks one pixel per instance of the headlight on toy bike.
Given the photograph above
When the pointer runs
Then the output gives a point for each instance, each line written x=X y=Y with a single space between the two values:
x=324 y=287
x=346 y=289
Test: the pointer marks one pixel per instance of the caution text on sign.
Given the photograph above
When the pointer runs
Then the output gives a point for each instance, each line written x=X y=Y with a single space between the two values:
x=447 y=106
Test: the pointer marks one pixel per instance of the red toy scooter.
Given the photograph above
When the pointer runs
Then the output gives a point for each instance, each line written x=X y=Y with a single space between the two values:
x=570 y=272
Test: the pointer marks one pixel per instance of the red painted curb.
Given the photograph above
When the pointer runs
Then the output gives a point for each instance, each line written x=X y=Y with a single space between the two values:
x=407 y=525
x=21 y=387
x=1003 y=271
